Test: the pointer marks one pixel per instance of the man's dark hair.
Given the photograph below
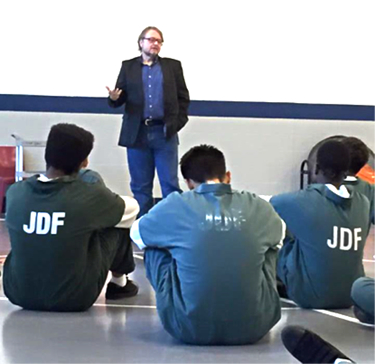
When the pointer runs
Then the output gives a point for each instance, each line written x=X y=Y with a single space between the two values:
x=359 y=154
x=203 y=163
x=68 y=146
x=144 y=32
x=333 y=159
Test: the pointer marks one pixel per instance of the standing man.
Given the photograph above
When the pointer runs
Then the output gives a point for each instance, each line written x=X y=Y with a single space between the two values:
x=156 y=101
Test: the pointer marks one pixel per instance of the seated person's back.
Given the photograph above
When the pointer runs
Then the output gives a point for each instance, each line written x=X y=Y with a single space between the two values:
x=211 y=255
x=327 y=227
x=61 y=249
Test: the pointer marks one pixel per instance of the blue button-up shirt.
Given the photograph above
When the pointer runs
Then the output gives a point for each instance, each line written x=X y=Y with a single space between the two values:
x=152 y=78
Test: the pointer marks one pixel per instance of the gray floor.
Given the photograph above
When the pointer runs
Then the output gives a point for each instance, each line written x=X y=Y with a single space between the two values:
x=129 y=331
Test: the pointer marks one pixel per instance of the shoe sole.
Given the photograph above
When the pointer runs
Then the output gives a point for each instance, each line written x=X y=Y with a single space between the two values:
x=122 y=295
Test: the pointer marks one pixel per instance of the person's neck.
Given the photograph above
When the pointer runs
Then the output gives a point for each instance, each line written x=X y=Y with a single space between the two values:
x=328 y=181
x=322 y=178
x=335 y=184
x=52 y=173
x=215 y=180
x=210 y=182
x=149 y=60
x=352 y=174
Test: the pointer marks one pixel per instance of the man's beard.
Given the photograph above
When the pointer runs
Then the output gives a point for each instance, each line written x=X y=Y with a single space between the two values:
x=151 y=55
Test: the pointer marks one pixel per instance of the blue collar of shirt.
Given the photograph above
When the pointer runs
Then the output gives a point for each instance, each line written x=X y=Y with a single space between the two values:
x=218 y=188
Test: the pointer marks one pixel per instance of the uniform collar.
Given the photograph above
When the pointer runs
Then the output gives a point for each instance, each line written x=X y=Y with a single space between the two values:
x=342 y=191
x=43 y=178
x=351 y=179
x=334 y=195
x=220 y=188
x=331 y=194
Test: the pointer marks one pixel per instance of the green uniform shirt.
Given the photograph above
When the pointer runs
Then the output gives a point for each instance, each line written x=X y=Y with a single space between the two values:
x=365 y=188
x=323 y=251
x=224 y=248
x=54 y=228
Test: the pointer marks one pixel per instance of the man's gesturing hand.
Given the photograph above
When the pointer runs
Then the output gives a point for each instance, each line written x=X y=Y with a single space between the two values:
x=114 y=94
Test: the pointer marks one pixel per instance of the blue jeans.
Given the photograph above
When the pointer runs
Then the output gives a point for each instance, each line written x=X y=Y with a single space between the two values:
x=154 y=151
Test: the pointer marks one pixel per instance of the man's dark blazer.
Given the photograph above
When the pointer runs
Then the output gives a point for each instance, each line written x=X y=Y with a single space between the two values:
x=176 y=98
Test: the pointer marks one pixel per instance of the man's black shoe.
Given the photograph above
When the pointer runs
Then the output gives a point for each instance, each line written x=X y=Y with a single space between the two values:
x=308 y=347
x=281 y=289
x=116 y=292
x=362 y=315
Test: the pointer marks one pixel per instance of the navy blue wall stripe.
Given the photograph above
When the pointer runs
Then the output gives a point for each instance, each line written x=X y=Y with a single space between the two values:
x=98 y=105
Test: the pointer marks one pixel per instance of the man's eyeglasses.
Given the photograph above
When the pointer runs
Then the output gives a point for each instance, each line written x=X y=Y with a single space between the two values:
x=154 y=40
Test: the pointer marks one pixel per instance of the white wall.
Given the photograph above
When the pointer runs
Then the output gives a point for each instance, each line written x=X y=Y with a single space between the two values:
x=264 y=155
x=241 y=50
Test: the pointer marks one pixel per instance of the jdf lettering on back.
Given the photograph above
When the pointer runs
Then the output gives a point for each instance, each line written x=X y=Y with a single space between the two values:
x=222 y=220
x=344 y=238
x=42 y=223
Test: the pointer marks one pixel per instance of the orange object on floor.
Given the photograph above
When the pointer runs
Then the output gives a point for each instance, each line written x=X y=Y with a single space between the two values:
x=367 y=174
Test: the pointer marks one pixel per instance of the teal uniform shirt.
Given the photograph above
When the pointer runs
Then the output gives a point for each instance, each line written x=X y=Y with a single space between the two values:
x=365 y=188
x=223 y=247
x=54 y=228
x=323 y=251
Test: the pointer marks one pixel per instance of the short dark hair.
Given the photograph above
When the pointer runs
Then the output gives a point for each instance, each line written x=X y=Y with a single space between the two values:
x=359 y=154
x=203 y=163
x=68 y=145
x=333 y=159
x=143 y=33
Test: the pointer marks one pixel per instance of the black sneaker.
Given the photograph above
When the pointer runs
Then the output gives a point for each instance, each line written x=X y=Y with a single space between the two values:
x=116 y=292
x=281 y=289
x=308 y=347
x=363 y=316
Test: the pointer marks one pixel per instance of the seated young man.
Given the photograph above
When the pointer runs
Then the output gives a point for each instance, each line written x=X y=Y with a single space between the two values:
x=210 y=255
x=359 y=155
x=62 y=234
x=327 y=226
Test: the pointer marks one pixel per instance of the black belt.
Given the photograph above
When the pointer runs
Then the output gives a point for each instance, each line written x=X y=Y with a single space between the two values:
x=152 y=122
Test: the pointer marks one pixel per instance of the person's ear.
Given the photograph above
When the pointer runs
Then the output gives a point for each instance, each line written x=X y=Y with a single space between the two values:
x=190 y=183
x=317 y=169
x=228 y=177
x=84 y=164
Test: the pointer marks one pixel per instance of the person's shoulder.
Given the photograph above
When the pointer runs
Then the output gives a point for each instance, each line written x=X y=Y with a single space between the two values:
x=252 y=198
x=246 y=195
x=177 y=197
x=170 y=61
x=17 y=187
x=97 y=190
x=188 y=198
x=366 y=185
x=99 y=195
x=91 y=177
x=26 y=183
x=257 y=207
x=294 y=197
x=359 y=196
x=130 y=61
